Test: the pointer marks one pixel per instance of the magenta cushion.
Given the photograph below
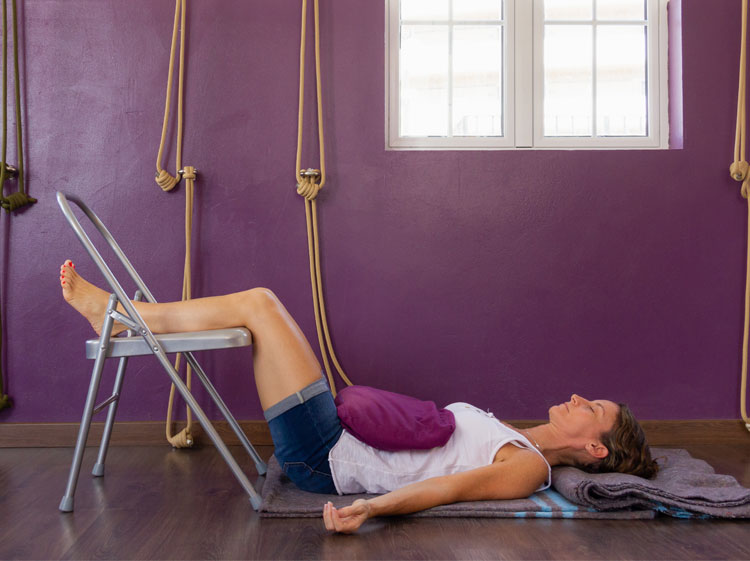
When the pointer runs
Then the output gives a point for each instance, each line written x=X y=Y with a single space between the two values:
x=392 y=421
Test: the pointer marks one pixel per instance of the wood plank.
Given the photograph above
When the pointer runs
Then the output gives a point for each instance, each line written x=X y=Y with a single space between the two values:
x=139 y=433
x=151 y=433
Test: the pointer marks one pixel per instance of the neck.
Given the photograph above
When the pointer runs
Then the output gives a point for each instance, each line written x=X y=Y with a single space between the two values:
x=550 y=443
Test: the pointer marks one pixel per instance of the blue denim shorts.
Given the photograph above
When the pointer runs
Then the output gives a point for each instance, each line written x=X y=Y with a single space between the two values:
x=304 y=428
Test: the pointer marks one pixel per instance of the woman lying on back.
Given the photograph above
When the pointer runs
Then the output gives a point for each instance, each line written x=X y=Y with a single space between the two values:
x=484 y=459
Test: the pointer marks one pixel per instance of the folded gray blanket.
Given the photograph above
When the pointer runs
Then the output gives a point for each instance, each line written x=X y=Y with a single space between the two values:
x=685 y=487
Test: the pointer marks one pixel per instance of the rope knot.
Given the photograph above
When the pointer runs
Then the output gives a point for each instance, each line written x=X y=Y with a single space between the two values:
x=308 y=189
x=17 y=200
x=738 y=170
x=188 y=172
x=5 y=402
x=183 y=439
x=310 y=185
x=166 y=181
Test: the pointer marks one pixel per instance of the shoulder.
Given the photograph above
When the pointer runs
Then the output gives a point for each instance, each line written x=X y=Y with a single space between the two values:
x=512 y=453
x=516 y=476
x=528 y=462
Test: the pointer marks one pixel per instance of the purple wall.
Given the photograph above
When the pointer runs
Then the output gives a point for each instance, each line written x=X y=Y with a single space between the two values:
x=507 y=279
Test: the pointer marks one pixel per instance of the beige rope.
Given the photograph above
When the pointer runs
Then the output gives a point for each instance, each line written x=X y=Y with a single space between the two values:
x=739 y=172
x=163 y=178
x=309 y=184
x=184 y=439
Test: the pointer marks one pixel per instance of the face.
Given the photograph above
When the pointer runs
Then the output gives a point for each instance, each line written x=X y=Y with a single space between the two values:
x=584 y=420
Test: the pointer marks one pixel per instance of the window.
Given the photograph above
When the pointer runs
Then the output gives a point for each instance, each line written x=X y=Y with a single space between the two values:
x=473 y=74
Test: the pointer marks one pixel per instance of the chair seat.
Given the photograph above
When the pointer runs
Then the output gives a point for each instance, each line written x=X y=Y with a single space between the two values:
x=174 y=342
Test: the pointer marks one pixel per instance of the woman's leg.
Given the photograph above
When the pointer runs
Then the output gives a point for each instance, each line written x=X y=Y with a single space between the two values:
x=283 y=361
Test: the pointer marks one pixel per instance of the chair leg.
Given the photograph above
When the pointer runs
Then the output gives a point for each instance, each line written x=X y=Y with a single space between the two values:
x=98 y=470
x=260 y=465
x=255 y=499
x=66 y=505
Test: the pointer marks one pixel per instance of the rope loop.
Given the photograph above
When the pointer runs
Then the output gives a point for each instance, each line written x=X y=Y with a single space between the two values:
x=5 y=402
x=166 y=181
x=15 y=201
x=744 y=188
x=308 y=188
x=309 y=184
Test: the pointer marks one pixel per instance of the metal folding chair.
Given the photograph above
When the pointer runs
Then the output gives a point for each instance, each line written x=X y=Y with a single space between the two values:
x=141 y=341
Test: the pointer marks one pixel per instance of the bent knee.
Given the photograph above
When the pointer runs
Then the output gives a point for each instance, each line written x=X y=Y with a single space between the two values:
x=263 y=300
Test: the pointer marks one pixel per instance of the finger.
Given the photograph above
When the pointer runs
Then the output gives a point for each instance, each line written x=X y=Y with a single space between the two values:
x=344 y=511
x=337 y=523
x=327 y=517
x=344 y=526
x=352 y=510
x=333 y=522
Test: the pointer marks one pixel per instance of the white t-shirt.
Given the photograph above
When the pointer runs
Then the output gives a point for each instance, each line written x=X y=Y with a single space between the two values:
x=359 y=468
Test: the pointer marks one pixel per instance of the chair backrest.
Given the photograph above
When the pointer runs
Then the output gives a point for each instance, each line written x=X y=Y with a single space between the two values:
x=64 y=201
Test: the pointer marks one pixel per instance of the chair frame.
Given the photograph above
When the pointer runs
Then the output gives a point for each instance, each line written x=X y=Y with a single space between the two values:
x=153 y=344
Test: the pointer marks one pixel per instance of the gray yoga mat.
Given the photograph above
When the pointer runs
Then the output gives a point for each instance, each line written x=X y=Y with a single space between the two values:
x=282 y=499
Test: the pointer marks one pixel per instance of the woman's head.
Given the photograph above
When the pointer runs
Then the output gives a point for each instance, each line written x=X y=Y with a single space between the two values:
x=627 y=446
x=603 y=436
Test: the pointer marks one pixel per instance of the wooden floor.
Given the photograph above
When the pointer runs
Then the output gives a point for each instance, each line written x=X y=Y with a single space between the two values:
x=157 y=503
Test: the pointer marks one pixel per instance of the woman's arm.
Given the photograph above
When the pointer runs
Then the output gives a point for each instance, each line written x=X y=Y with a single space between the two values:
x=517 y=477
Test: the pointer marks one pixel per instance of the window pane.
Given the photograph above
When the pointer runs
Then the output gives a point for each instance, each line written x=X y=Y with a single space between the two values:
x=477 y=80
x=478 y=9
x=568 y=80
x=568 y=9
x=424 y=9
x=424 y=80
x=621 y=107
x=621 y=9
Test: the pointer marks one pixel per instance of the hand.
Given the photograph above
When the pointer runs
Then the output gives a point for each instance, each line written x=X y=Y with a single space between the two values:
x=348 y=519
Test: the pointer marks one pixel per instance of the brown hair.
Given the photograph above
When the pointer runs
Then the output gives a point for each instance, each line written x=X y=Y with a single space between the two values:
x=628 y=449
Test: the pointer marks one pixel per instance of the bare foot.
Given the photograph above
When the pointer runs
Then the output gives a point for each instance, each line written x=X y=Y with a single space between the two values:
x=89 y=300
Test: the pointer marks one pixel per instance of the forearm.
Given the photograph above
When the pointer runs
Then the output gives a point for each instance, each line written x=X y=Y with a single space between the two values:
x=412 y=498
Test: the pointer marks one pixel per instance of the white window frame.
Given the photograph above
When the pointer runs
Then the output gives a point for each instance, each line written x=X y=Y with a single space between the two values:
x=393 y=140
x=523 y=88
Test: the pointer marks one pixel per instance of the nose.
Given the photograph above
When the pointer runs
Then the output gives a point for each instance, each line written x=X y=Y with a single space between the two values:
x=576 y=399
